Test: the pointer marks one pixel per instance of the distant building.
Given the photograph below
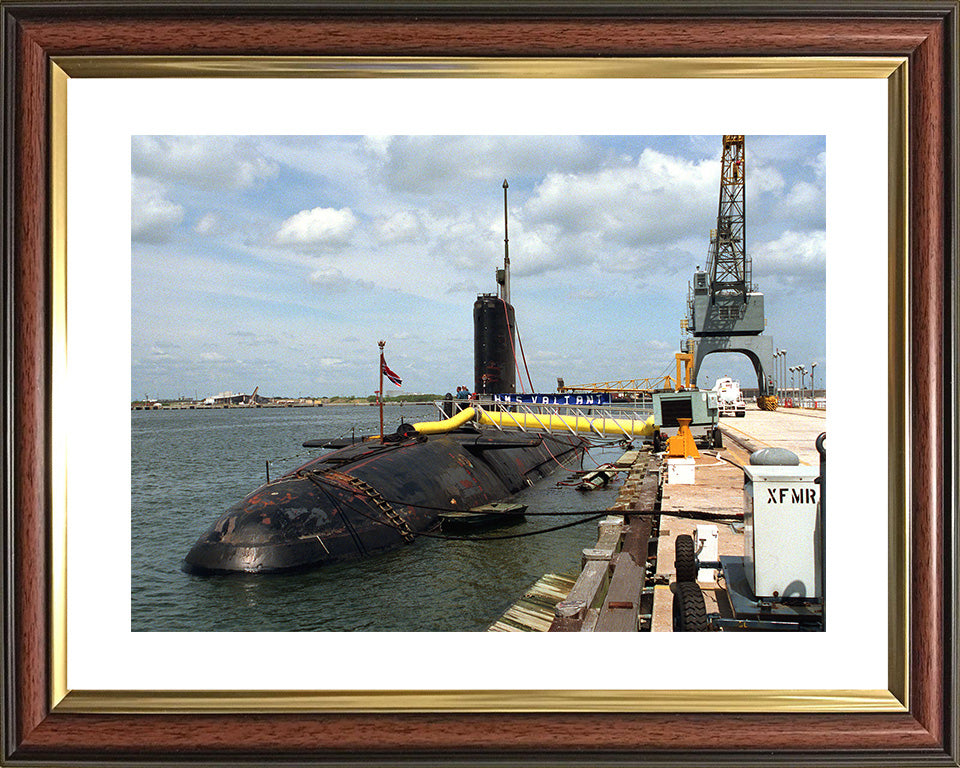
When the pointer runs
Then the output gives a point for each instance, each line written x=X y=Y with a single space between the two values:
x=228 y=398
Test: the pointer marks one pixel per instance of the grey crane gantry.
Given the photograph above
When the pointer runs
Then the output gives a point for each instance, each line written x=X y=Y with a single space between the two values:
x=724 y=308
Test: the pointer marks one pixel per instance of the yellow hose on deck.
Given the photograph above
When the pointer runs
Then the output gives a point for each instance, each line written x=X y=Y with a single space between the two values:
x=605 y=426
x=447 y=425
x=508 y=419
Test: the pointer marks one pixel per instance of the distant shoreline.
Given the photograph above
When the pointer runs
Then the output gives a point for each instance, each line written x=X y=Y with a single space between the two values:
x=190 y=405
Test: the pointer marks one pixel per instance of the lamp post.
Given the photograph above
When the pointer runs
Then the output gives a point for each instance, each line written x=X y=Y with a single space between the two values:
x=803 y=377
x=776 y=369
x=776 y=361
x=813 y=391
x=783 y=365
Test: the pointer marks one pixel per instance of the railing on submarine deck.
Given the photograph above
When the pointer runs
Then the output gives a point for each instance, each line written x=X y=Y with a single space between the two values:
x=604 y=420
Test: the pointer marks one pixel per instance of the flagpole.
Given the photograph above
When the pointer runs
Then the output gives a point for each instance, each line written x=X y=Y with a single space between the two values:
x=380 y=394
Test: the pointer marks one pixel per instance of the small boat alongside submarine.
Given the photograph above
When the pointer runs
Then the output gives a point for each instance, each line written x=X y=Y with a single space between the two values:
x=372 y=496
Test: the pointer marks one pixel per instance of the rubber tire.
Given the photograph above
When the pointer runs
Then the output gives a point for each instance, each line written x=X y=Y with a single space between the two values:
x=685 y=559
x=689 y=610
x=717 y=438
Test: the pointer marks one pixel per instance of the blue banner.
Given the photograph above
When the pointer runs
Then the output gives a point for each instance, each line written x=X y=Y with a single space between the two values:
x=581 y=398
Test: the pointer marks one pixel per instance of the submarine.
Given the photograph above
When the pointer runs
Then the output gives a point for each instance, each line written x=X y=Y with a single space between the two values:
x=367 y=497
x=373 y=496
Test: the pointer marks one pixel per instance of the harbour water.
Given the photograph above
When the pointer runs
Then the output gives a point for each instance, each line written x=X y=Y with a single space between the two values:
x=188 y=466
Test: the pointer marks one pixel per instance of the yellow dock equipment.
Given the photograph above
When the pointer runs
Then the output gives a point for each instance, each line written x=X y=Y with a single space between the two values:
x=600 y=425
x=682 y=445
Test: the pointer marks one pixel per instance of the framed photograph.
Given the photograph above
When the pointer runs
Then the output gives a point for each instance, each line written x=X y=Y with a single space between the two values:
x=97 y=97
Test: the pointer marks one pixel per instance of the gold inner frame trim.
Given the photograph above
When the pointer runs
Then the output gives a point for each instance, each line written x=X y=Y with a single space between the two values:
x=233 y=702
x=59 y=394
x=414 y=66
x=898 y=383
x=893 y=69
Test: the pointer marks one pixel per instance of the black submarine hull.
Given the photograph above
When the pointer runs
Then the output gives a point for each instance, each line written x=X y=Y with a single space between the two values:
x=371 y=497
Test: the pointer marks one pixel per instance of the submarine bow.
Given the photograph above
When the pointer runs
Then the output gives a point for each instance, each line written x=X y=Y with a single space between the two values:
x=373 y=496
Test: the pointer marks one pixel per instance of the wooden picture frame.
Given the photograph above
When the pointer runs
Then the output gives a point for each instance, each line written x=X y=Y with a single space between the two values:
x=37 y=730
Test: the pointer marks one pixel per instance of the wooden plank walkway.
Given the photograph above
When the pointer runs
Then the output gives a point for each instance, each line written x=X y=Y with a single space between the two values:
x=789 y=428
x=608 y=594
x=718 y=492
x=534 y=612
x=621 y=605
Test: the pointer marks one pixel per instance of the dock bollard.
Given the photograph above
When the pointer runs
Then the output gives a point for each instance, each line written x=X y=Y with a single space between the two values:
x=569 y=615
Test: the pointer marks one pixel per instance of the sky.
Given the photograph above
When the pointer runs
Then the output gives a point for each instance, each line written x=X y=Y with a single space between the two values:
x=280 y=261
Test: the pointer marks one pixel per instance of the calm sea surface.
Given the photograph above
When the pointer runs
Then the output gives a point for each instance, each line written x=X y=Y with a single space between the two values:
x=189 y=466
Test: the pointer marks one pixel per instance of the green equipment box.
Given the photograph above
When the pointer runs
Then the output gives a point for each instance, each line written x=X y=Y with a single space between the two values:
x=697 y=405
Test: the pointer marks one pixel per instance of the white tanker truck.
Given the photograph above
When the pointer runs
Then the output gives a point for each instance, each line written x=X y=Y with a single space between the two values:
x=729 y=397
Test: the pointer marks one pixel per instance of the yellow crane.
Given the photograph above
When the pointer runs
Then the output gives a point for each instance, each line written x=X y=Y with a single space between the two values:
x=638 y=386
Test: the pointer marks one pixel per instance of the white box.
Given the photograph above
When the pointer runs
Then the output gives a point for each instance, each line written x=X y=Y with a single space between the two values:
x=781 y=548
x=707 y=545
x=681 y=471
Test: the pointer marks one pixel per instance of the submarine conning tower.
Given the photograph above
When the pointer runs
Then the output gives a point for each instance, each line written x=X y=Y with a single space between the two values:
x=494 y=369
x=494 y=326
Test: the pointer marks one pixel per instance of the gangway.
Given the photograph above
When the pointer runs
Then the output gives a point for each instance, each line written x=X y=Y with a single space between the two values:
x=622 y=386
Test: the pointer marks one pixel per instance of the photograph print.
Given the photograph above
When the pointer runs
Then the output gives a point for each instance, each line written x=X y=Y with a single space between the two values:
x=478 y=383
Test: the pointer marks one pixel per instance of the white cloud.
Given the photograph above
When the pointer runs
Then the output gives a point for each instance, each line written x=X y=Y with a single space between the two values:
x=251 y=339
x=802 y=207
x=761 y=179
x=795 y=259
x=202 y=162
x=819 y=165
x=657 y=344
x=464 y=241
x=656 y=200
x=339 y=165
x=378 y=145
x=154 y=218
x=463 y=286
x=332 y=279
x=207 y=224
x=536 y=251
x=318 y=226
x=428 y=164
x=402 y=226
